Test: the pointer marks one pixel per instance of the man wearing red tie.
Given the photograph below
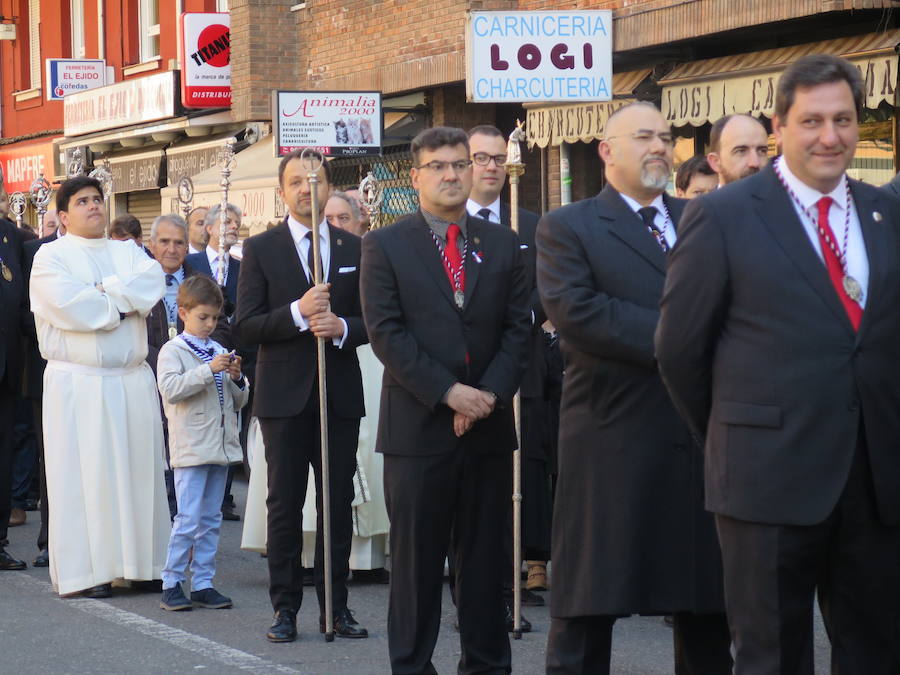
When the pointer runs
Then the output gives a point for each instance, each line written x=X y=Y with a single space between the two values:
x=445 y=303
x=778 y=341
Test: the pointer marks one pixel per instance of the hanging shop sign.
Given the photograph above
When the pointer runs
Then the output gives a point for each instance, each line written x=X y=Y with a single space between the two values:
x=205 y=44
x=337 y=123
x=70 y=76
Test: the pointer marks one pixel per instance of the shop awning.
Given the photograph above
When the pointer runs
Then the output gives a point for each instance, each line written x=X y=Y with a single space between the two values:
x=570 y=123
x=132 y=171
x=254 y=187
x=703 y=91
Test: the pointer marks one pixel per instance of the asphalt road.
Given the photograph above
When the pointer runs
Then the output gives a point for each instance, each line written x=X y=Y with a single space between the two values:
x=129 y=633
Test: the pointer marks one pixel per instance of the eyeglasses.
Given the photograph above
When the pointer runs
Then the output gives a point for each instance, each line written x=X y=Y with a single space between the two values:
x=459 y=165
x=646 y=137
x=483 y=159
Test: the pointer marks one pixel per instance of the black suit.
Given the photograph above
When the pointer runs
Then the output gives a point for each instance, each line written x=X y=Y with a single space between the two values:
x=799 y=413
x=443 y=491
x=33 y=383
x=13 y=320
x=630 y=535
x=287 y=403
x=200 y=262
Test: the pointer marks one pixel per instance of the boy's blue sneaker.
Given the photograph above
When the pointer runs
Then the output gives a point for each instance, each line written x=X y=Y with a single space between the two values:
x=210 y=598
x=173 y=599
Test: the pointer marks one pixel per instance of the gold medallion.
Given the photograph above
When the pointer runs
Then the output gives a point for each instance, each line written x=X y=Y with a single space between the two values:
x=5 y=271
x=853 y=288
x=459 y=298
x=173 y=332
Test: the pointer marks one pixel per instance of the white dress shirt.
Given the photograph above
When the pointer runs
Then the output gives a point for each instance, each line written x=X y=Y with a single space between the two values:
x=474 y=207
x=662 y=220
x=212 y=255
x=856 y=258
x=301 y=243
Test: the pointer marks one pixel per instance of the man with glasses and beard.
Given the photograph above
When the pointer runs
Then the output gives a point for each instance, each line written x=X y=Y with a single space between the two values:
x=630 y=535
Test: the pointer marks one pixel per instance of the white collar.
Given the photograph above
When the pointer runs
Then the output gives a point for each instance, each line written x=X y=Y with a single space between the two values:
x=809 y=196
x=657 y=203
x=474 y=207
x=299 y=230
x=213 y=254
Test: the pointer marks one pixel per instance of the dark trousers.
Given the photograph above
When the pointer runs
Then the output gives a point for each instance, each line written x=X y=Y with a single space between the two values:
x=439 y=503
x=25 y=454
x=37 y=415
x=7 y=416
x=292 y=445
x=582 y=645
x=772 y=574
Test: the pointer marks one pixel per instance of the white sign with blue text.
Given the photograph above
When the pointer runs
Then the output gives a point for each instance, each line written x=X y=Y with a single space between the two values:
x=70 y=76
x=539 y=56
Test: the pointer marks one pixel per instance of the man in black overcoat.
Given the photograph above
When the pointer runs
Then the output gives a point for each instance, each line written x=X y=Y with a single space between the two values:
x=630 y=535
x=445 y=300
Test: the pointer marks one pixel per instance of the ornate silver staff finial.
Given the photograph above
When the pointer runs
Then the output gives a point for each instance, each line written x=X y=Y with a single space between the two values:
x=104 y=176
x=41 y=192
x=513 y=149
x=76 y=166
x=18 y=202
x=228 y=163
x=185 y=194
x=371 y=195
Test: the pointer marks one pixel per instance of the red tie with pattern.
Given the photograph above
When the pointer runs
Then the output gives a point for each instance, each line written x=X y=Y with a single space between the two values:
x=455 y=272
x=833 y=263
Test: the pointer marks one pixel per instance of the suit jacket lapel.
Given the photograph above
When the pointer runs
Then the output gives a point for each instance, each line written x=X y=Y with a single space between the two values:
x=336 y=253
x=776 y=210
x=422 y=241
x=471 y=264
x=876 y=251
x=626 y=225
x=676 y=208
x=292 y=268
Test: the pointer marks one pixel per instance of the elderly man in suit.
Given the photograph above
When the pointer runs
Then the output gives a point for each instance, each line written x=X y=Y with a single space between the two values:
x=13 y=310
x=778 y=342
x=445 y=300
x=283 y=311
x=630 y=535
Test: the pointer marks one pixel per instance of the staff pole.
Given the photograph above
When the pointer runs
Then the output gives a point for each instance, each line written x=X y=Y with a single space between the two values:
x=515 y=168
x=314 y=162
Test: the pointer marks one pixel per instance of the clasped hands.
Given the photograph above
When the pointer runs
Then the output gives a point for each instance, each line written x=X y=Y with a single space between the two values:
x=469 y=405
x=314 y=307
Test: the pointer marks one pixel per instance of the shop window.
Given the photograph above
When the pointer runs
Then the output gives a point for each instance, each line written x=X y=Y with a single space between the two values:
x=874 y=159
x=148 y=20
x=221 y=5
x=34 y=43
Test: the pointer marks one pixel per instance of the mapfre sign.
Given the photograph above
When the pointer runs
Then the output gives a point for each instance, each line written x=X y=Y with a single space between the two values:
x=142 y=99
x=206 y=58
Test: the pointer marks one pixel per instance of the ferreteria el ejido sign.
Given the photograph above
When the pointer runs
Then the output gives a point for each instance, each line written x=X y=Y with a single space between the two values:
x=539 y=56
x=336 y=123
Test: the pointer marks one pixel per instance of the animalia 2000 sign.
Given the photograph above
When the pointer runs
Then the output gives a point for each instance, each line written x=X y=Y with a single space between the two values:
x=337 y=123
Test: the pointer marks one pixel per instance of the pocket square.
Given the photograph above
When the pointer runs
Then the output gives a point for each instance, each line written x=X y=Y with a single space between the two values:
x=524 y=247
x=345 y=270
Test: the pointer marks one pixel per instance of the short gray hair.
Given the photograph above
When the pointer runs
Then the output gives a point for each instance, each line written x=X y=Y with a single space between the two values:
x=354 y=205
x=213 y=215
x=172 y=218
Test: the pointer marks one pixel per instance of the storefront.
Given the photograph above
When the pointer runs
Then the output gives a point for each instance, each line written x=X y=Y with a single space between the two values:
x=21 y=164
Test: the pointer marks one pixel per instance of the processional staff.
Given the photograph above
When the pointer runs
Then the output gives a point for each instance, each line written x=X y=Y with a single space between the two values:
x=18 y=202
x=314 y=162
x=515 y=168
x=228 y=164
x=186 y=195
x=371 y=194
x=104 y=176
x=41 y=193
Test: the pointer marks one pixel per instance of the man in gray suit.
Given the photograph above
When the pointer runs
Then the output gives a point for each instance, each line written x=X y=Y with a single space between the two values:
x=778 y=340
x=630 y=535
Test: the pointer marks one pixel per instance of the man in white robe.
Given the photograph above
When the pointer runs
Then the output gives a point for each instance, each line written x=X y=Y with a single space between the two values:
x=104 y=442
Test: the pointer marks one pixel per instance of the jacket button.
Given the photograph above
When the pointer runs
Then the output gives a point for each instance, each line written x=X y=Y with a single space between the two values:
x=854 y=406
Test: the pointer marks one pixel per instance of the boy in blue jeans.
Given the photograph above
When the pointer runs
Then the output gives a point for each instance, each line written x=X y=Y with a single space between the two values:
x=202 y=390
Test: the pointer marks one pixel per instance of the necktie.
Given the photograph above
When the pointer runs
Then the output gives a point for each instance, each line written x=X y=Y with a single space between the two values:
x=833 y=263
x=310 y=259
x=485 y=213
x=170 y=279
x=648 y=215
x=454 y=265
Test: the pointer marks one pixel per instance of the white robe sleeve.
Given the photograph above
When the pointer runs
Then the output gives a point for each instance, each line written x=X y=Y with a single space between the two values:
x=139 y=289
x=66 y=302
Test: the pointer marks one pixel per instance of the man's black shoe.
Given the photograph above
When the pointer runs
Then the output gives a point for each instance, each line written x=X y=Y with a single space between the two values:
x=43 y=559
x=377 y=576
x=31 y=505
x=531 y=599
x=229 y=512
x=524 y=624
x=308 y=575
x=8 y=563
x=345 y=625
x=98 y=592
x=285 y=627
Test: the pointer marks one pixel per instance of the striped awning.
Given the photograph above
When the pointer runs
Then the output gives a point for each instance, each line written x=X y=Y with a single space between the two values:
x=554 y=124
x=703 y=91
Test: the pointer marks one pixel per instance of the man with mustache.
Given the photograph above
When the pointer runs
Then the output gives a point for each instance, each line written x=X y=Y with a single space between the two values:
x=629 y=535
x=738 y=147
